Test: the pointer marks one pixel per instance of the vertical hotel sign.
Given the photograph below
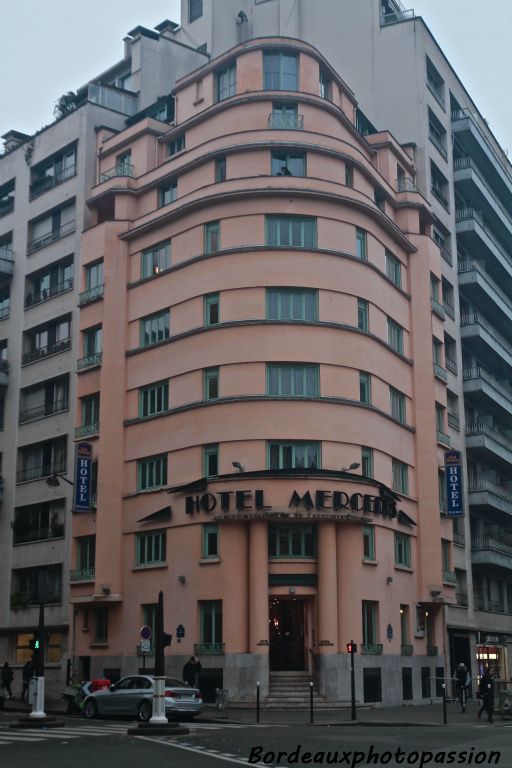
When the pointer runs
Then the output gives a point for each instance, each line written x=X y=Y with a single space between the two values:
x=83 y=470
x=454 y=497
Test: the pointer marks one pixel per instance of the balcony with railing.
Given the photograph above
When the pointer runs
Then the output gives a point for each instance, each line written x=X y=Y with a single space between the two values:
x=470 y=223
x=488 y=551
x=93 y=294
x=40 y=471
x=484 y=495
x=116 y=99
x=45 y=409
x=87 y=430
x=4 y=373
x=89 y=361
x=443 y=438
x=449 y=308
x=24 y=535
x=486 y=343
x=461 y=598
x=489 y=445
x=41 y=184
x=38 y=297
x=466 y=126
x=210 y=649
x=83 y=574
x=440 y=192
x=406 y=650
x=484 y=292
x=440 y=372
x=405 y=184
x=122 y=169
x=436 y=141
x=51 y=237
x=484 y=389
x=41 y=352
x=6 y=205
x=437 y=308
x=432 y=650
x=372 y=649
x=449 y=577
x=286 y=121
x=453 y=421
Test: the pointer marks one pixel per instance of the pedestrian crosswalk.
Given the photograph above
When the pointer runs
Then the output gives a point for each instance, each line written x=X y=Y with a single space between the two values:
x=97 y=728
x=67 y=733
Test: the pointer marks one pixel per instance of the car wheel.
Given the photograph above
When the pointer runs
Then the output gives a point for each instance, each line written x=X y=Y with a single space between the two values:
x=90 y=709
x=144 y=711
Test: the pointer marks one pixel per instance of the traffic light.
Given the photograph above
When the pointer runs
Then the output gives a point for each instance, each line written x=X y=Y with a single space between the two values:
x=351 y=647
x=167 y=639
x=34 y=645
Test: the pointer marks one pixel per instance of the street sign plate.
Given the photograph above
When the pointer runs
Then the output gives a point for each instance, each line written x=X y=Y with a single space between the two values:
x=145 y=646
x=145 y=633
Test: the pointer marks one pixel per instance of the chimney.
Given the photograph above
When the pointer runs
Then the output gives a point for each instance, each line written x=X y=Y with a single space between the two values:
x=14 y=139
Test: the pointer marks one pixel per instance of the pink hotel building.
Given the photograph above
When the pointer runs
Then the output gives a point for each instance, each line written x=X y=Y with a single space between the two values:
x=261 y=379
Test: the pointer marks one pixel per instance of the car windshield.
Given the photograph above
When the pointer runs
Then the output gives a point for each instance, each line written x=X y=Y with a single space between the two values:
x=172 y=682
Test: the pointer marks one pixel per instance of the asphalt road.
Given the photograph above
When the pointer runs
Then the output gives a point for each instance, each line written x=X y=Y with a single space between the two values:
x=105 y=744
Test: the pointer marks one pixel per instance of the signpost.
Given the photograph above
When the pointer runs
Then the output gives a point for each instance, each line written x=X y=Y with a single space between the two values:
x=352 y=648
x=145 y=644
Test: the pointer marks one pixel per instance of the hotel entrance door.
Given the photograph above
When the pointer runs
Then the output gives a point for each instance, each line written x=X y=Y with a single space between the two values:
x=287 y=650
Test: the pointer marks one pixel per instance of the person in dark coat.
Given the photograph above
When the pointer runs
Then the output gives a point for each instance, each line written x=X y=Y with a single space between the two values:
x=7 y=678
x=27 y=674
x=486 y=692
x=191 y=671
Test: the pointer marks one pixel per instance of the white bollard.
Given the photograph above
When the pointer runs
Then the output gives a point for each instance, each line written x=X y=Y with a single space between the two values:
x=38 y=704
x=159 y=701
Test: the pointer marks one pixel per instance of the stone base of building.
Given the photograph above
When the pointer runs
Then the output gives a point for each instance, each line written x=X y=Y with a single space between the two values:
x=386 y=680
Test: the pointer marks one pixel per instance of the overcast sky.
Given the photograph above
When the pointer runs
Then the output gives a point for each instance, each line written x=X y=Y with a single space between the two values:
x=49 y=47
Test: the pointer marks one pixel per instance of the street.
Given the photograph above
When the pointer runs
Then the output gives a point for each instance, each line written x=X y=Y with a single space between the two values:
x=105 y=743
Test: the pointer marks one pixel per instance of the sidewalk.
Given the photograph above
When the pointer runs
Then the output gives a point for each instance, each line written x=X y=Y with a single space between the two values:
x=412 y=715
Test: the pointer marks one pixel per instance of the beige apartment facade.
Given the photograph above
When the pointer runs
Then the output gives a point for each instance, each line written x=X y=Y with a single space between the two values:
x=263 y=391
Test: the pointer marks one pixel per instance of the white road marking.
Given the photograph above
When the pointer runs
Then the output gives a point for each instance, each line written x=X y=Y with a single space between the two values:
x=199 y=751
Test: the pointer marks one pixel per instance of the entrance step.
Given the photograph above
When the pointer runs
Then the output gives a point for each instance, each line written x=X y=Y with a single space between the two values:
x=291 y=690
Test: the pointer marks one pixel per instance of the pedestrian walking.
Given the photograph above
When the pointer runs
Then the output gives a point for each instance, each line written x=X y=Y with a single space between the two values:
x=7 y=678
x=486 y=693
x=191 y=671
x=27 y=674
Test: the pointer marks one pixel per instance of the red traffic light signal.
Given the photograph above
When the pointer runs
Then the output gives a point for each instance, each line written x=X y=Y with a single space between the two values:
x=351 y=648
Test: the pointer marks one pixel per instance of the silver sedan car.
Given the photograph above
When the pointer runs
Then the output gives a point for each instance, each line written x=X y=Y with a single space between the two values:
x=133 y=696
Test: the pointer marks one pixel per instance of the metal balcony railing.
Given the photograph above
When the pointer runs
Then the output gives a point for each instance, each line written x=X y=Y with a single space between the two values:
x=45 y=409
x=51 y=237
x=446 y=255
x=92 y=294
x=490 y=543
x=43 y=183
x=440 y=372
x=89 y=361
x=459 y=538
x=124 y=169
x=480 y=373
x=463 y=114
x=434 y=90
x=286 y=121
x=439 y=193
x=461 y=598
x=24 y=535
x=6 y=262
x=479 y=428
x=477 y=486
x=48 y=293
x=442 y=437
x=51 y=349
x=453 y=421
x=6 y=206
x=88 y=429
x=83 y=574
x=438 y=145
x=208 y=648
x=449 y=309
x=450 y=364
x=406 y=650
x=437 y=308
x=432 y=650
x=404 y=184
x=372 y=649
x=42 y=470
x=449 y=577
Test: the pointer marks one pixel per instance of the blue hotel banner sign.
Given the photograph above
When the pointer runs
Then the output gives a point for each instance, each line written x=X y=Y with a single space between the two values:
x=83 y=472
x=454 y=495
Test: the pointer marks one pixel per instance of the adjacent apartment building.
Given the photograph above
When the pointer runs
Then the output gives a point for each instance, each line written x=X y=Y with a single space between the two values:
x=404 y=82
x=44 y=183
x=266 y=410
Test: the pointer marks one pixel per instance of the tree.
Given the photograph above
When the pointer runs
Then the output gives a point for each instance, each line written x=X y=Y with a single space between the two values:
x=66 y=104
